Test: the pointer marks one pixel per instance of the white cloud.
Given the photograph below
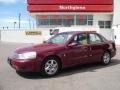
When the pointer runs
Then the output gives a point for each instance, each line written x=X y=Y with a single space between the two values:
x=10 y=23
x=15 y=20
x=8 y=1
x=25 y=1
x=13 y=1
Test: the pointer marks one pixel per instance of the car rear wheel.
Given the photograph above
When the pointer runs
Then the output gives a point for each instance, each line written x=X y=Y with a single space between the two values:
x=50 y=66
x=106 y=58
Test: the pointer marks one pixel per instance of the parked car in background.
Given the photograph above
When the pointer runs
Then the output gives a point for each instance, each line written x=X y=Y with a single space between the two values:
x=63 y=50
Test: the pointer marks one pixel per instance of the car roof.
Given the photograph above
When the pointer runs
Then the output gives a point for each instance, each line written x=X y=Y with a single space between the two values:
x=77 y=32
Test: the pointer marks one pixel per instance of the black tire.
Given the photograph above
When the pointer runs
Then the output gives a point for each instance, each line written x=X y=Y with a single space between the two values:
x=49 y=69
x=106 y=58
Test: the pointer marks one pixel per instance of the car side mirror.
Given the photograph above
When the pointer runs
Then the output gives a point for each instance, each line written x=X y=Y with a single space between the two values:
x=73 y=44
x=44 y=41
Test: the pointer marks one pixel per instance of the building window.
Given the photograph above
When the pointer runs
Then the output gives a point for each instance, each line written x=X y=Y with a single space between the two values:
x=68 y=20
x=104 y=24
x=65 y=20
x=43 y=20
x=89 y=19
x=55 y=20
x=84 y=19
x=108 y=24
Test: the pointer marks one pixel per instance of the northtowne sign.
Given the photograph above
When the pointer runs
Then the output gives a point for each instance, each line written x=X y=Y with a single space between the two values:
x=71 y=7
x=33 y=32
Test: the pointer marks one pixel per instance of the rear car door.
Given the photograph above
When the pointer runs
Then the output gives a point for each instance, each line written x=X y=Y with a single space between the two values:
x=96 y=47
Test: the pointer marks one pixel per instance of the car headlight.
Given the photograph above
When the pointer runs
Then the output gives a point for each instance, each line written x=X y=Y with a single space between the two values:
x=27 y=55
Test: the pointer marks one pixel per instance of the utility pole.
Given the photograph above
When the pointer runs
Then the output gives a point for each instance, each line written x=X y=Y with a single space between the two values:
x=29 y=23
x=19 y=21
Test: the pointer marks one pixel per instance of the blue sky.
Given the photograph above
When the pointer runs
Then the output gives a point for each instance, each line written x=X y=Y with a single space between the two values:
x=9 y=12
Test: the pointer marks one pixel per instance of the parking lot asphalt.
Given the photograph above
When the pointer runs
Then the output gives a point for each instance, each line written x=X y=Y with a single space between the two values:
x=85 y=77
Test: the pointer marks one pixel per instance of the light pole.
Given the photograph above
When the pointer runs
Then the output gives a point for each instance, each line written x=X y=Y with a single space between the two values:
x=14 y=25
x=19 y=20
x=29 y=23
x=33 y=24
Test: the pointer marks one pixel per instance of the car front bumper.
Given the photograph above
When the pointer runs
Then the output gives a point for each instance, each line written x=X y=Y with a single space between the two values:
x=25 y=65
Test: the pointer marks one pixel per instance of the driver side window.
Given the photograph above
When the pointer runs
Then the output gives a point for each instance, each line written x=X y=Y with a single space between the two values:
x=81 y=39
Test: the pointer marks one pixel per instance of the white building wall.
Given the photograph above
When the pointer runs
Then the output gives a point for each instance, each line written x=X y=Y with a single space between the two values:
x=102 y=16
x=116 y=15
x=117 y=34
x=21 y=37
x=116 y=21
x=107 y=33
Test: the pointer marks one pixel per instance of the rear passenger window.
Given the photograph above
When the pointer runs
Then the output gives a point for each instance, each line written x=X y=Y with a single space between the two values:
x=94 y=38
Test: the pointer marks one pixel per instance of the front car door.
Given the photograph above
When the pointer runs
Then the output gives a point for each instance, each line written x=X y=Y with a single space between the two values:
x=78 y=54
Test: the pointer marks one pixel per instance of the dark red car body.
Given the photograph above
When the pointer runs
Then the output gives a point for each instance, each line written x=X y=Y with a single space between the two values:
x=68 y=56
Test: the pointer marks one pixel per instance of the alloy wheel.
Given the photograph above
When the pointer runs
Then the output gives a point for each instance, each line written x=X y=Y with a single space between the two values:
x=51 y=67
x=106 y=58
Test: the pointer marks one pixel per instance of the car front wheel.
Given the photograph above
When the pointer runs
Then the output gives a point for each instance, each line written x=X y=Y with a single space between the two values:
x=106 y=58
x=50 y=66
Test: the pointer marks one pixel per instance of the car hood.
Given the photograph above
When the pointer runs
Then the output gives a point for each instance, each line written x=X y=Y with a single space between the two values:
x=39 y=48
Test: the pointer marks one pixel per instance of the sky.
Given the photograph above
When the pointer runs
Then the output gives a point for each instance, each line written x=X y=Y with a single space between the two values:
x=9 y=14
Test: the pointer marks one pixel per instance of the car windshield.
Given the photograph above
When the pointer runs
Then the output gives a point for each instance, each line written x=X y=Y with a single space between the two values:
x=60 y=38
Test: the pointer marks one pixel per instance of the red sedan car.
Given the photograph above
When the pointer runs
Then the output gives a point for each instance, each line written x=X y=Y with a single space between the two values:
x=63 y=50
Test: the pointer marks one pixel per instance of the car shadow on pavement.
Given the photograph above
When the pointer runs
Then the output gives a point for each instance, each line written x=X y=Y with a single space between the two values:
x=72 y=70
